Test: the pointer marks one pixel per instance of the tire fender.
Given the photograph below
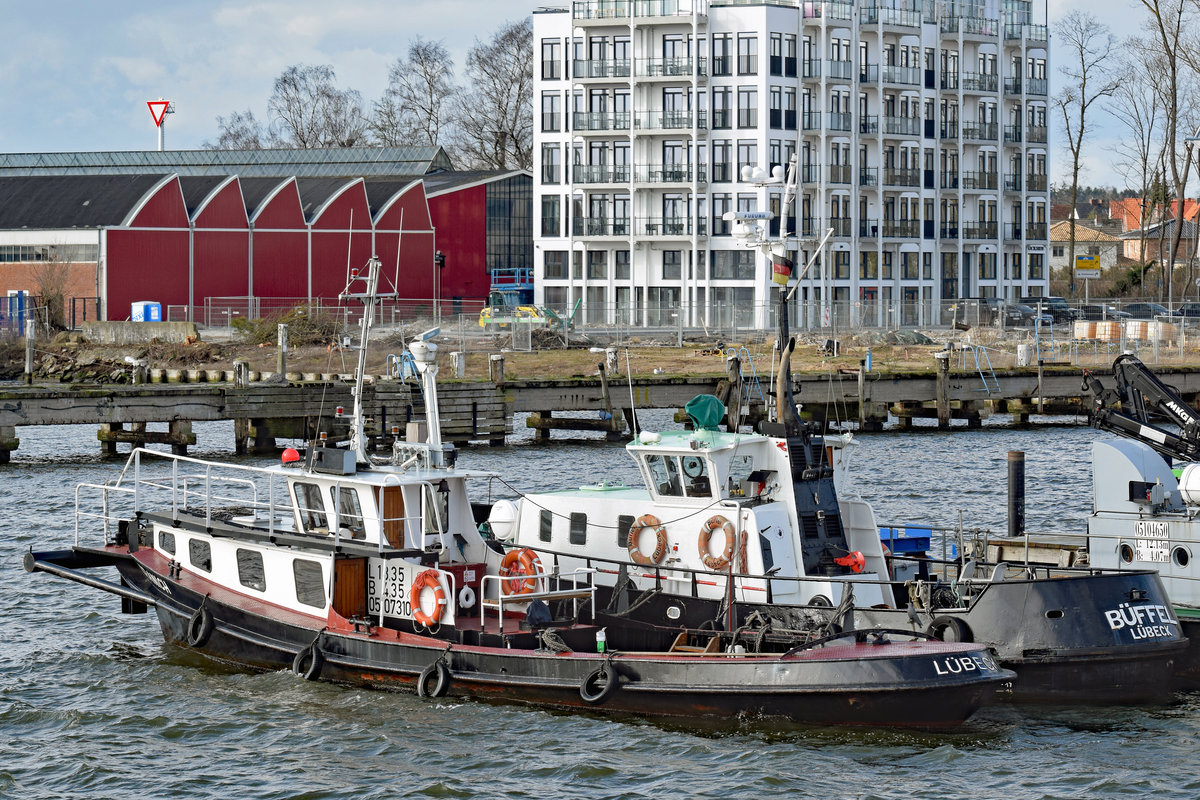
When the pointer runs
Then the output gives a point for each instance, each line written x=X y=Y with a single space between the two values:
x=308 y=662
x=599 y=685
x=950 y=629
x=440 y=675
x=199 y=627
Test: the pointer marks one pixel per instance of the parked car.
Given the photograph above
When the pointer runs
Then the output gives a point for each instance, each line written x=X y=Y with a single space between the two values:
x=1091 y=311
x=1188 y=310
x=1022 y=314
x=1054 y=306
x=1147 y=310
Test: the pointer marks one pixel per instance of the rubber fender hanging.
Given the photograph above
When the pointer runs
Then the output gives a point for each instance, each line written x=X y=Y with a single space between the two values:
x=466 y=597
x=950 y=629
x=599 y=685
x=440 y=674
x=307 y=663
x=200 y=627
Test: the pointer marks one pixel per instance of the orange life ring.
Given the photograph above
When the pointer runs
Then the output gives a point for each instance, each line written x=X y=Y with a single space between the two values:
x=520 y=568
x=428 y=578
x=706 y=531
x=660 y=540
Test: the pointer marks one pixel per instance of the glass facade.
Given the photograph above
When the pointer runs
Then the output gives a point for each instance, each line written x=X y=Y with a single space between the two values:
x=510 y=223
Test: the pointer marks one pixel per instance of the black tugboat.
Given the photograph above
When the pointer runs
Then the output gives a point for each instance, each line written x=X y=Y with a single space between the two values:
x=746 y=532
x=371 y=571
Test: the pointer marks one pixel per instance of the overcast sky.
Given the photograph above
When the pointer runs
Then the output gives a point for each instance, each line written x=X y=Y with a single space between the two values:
x=76 y=75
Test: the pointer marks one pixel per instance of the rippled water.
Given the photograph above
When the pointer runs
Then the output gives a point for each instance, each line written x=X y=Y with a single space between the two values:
x=94 y=704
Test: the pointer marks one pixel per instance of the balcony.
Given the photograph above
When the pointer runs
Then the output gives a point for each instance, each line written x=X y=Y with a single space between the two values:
x=949 y=180
x=980 y=131
x=830 y=9
x=840 y=70
x=949 y=82
x=868 y=228
x=978 y=230
x=812 y=68
x=1036 y=183
x=1012 y=183
x=1012 y=134
x=901 y=177
x=897 y=17
x=1033 y=33
x=949 y=130
x=980 y=26
x=868 y=176
x=594 y=227
x=868 y=73
x=585 y=70
x=840 y=225
x=839 y=121
x=901 y=229
x=1012 y=85
x=586 y=121
x=840 y=173
x=811 y=120
x=979 y=82
x=1035 y=230
x=1036 y=86
x=601 y=173
x=669 y=226
x=902 y=126
x=1037 y=134
x=810 y=173
x=948 y=230
x=669 y=120
x=902 y=76
x=979 y=180
x=670 y=173
x=601 y=9
x=586 y=10
x=670 y=67
x=1012 y=230
x=869 y=124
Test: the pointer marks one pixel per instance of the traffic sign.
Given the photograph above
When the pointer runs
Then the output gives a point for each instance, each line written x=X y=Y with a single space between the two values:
x=158 y=110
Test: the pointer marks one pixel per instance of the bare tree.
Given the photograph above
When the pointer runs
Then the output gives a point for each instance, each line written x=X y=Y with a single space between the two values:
x=50 y=277
x=239 y=131
x=1137 y=106
x=1089 y=45
x=308 y=110
x=494 y=118
x=416 y=103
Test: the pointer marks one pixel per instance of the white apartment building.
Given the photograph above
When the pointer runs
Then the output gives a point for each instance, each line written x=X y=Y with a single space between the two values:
x=921 y=135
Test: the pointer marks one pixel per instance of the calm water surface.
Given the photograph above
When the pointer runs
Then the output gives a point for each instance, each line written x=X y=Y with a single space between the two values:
x=94 y=704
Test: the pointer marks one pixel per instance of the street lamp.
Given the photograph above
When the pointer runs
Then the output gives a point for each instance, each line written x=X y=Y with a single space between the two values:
x=439 y=260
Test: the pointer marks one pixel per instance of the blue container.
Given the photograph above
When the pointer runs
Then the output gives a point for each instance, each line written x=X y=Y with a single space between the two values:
x=146 y=311
x=906 y=540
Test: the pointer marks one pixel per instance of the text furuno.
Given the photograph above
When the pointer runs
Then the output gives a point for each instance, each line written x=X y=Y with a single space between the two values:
x=1143 y=622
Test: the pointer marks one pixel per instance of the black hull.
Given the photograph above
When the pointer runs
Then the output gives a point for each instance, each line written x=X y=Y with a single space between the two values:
x=1053 y=633
x=926 y=685
x=1188 y=667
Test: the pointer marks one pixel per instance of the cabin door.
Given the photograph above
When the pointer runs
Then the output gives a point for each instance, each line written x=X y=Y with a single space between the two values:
x=777 y=546
x=350 y=587
x=391 y=510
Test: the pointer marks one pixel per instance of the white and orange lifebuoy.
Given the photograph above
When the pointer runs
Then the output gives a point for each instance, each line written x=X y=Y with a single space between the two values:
x=716 y=563
x=520 y=570
x=428 y=578
x=660 y=540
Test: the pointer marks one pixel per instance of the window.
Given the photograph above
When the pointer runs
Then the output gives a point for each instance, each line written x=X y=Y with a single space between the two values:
x=747 y=54
x=1058 y=251
x=664 y=475
x=166 y=542
x=776 y=66
x=310 y=582
x=551 y=216
x=695 y=476
x=722 y=108
x=733 y=265
x=747 y=154
x=350 y=516
x=200 y=554
x=551 y=59
x=671 y=270
x=621 y=265
x=551 y=112
x=551 y=163
x=624 y=523
x=250 y=569
x=311 y=507
x=747 y=107
x=578 y=533
x=597 y=264
x=545 y=525
x=554 y=264
x=722 y=54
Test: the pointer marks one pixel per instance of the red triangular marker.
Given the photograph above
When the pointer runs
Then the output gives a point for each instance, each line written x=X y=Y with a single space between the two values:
x=158 y=110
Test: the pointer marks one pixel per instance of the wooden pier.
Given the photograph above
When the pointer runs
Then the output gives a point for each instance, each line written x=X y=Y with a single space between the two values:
x=483 y=411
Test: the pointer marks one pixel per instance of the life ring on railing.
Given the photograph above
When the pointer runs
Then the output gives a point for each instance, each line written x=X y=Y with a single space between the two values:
x=855 y=560
x=706 y=532
x=520 y=569
x=660 y=540
x=428 y=578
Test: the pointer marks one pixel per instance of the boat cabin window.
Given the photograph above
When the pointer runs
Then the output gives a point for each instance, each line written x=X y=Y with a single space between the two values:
x=695 y=476
x=312 y=508
x=350 y=514
x=250 y=569
x=200 y=554
x=664 y=475
x=578 y=528
x=437 y=507
x=166 y=542
x=310 y=583
x=740 y=468
x=545 y=525
x=624 y=523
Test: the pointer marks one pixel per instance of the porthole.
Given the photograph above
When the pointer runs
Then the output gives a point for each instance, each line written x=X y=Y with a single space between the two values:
x=1054 y=613
x=1180 y=556
x=1126 y=554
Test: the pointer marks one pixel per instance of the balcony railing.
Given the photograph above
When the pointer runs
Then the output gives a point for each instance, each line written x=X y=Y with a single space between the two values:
x=949 y=180
x=1034 y=33
x=868 y=176
x=979 y=180
x=1035 y=183
x=600 y=69
x=840 y=173
x=901 y=177
x=1035 y=230
x=810 y=173
x=589 y=226
x=839 y=121
x=722 y=119
x=1036 y=86
x=840 y=70
x=669 y=120
x=831 y=9
x=949 y=130
x=840 y=225
x=980 y=131
x=901 y=229
x=1012 y=183
x=869 y=124
x=600 y=121
x=616 y=9
x=979 y=82
x=810 y=120
x=601 y=173
x=902 y=126
x=1037 y=134
x=868 y=73
x=1012 y=85
x=904 y=76
x=1012 y=230
x=812 y=68
x=669 y=226
x=1012 y=134
x=868 y=228
x=670 y=67
x=948 y=230
x=949 y=81
x=670 y=173
x=978 y=230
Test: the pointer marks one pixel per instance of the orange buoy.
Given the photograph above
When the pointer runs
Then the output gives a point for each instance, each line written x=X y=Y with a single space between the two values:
x=428 y=578
x=520 y=569
x=660 y=540
x=706 y=532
